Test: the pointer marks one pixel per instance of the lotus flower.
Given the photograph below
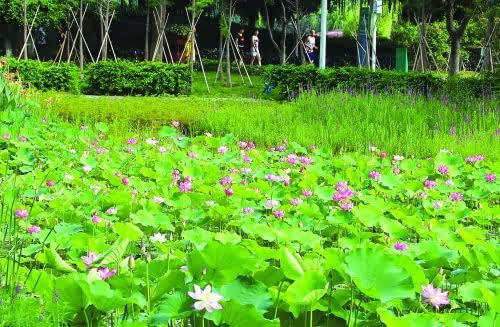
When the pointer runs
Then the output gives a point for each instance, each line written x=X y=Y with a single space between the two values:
x=248 y=210
x=222 y=149
x=434 y=296
x=90 y=258
x=34 y=230
x=346 y=206
x=430 y=183
x=279 y=214
x=442 y=169
x=457 y=197
x=158 y=238
x=374 y=174
x=490 y=177
x=400 y=246
x=50 y=183
x=206 y=299
x=175 y=123
x=105 y=273
x=307 y=193
x=22 y=213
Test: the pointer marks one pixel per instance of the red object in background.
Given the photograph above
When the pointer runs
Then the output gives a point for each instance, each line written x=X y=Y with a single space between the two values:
x=180 y=47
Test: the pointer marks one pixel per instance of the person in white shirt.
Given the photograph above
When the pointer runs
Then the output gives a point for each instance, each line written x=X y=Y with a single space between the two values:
x=254 y=50
x=311 y=46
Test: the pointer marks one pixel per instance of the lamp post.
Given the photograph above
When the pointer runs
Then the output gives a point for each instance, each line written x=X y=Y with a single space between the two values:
x=322 y=50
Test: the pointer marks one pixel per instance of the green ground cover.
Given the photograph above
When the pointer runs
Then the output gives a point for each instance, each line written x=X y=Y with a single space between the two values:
x=107 y=227
x=397 y=123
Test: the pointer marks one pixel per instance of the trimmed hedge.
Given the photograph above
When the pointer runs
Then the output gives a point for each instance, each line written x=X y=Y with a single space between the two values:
x=290 y=79
x=136 y=78
x=45 y=76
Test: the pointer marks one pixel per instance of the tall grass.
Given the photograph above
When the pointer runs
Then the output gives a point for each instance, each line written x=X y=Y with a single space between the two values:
x=396 y=123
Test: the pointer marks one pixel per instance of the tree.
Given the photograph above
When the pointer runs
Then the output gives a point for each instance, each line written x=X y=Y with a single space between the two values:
x=283 y=18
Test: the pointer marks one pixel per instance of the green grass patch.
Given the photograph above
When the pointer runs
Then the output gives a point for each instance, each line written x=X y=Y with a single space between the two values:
x=339 y=121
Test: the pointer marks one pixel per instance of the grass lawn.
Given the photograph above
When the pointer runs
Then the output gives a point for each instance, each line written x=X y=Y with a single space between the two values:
x=241 y=87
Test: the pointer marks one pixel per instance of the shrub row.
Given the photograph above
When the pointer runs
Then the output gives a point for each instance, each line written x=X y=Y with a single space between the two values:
x=104 y=78
x=289 y=80
x=44 y=76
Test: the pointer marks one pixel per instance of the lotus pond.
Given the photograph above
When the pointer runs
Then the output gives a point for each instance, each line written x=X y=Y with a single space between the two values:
x=174 y=231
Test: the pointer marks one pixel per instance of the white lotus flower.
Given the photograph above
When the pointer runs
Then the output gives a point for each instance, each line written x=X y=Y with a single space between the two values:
x=206 y=299
x=157 y=238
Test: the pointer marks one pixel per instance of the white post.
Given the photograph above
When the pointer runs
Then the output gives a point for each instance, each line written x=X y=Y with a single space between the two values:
x=322 y=50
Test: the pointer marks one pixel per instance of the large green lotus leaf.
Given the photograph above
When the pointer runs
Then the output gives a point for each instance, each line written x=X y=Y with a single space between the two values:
x=71 y=296
x=247 y=291
x=152 y=219
x=394 y=228
x=270 y=276
x=377 y=274
x=173 y=306
x=171 y=280
x=390 y=180
x=367 y=214
x=228 y=261
x=492 y=298
x=409 y=320
x=228 y=237
x=55 y=261
x=199 y=236
x=115 y=253
x=235 y=314
x=472 y=291
x=488 y=320
x=291 y=263
x=128 y=231
x=101 y=295
x=307 y=289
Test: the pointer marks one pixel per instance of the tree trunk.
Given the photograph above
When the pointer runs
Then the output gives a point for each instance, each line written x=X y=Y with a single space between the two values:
x=284 y=25
x=490 y=37
x=146 y=38
x=454 y=64
x=269 y=30
x=298 y=40
x=25 y=33
x=228 y=47
x=106 y=29
x=193 y=50
x=81 y=35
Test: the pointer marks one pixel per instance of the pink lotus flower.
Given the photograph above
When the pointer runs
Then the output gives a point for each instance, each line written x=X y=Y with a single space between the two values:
x=312 y=148
x=400 y=246
x=112 y=211
x=206 y=299
x=248 y=210
x=158 y=199
x=247 y=159
x=105 y=273
x=100 y=150
x=284 y=141
x=295 y=202
x=229 y=191
x=397 y=157
x=90 y=258
x=227 y=180
x=162 y=149
x=84 y=127
x=101 y=136
x=184 y=268
x=96 y=219
x=396 y=171
x=6 y=137
x=346 y=206
x=246 y=171
x=242 y=145
x=151 y=141
x=457 y=197
x=375 y=175
x=438 y=204
x=442 y=169
x=434 y=296
x=50 y=183
x=279 y=214
x=134 y=192
x=306 y=160
x=422 y=195
x=192 y=155
x=86 y=169
x=185 y=187
x=449 y=183
x=207 y=134
x=474 y=159
x=272 y=204
x=125 y=181
x=129 y=150
x=490 y=177
x=307 y=193
x=175 y=123
x=132 y=141
x=222 y=149
x=430 y=183
x=383 y=155
x=281 y=148
x=22 y=213
x=34 y=230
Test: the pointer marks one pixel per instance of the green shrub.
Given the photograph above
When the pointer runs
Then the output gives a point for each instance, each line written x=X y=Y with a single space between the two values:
x=45 y=75
x=289 y=80
x=136 y=78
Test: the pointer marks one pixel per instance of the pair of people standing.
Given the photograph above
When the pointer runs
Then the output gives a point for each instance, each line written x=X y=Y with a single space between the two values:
x=254 y=47
x=310 y=46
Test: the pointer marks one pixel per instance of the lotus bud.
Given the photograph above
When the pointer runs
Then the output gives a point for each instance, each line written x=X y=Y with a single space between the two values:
x=204 y=271
x=131 y=262
x=148 y=257
x=301 y=224
x=143 y=248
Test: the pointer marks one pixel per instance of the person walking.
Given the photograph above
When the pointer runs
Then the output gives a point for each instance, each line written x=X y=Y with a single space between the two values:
x=240 y=43
x=311 y=46
x=254 y=52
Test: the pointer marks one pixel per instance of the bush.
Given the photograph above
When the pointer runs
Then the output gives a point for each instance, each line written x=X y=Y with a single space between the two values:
x=124 y=77
x=289 y=80
x=45 y=75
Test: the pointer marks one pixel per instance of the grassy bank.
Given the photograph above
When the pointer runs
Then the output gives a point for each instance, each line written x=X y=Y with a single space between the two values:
x=339 y=121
